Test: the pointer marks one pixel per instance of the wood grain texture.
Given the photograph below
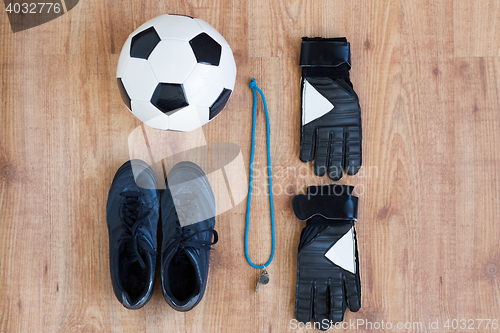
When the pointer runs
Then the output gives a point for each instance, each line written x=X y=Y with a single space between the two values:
x=275 y=27
x=23 y=201
x=477 y=82
x=428 y=221
x=93 y=27
x=476 y=24
x=426 y=176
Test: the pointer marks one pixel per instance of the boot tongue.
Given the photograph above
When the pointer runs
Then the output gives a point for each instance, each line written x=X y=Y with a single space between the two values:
x=184 y=256
x=129 y=251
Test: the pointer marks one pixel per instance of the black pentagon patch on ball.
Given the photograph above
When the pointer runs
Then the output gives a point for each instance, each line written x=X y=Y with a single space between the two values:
x=143 y=43
x=169 y=97
x=219 y=103
x=123 y=92
x=206 y=49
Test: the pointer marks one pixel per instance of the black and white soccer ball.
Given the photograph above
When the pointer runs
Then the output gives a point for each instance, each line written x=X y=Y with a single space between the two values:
x=176 y=72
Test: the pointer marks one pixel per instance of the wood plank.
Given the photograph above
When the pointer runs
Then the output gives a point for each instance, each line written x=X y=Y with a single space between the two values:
x=71 y=293
x=476 y=24
x=275 y=27
x=477 y=82
x=22 y=178
x=93 y=27
x=425 y=175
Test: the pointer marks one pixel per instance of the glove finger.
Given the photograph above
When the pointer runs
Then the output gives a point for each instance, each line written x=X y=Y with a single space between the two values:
x=353 y=292
x=321 y=304
x=304 y=301
x=336 y=159
x=337 y=300
x=322 y=147
x=353 y=150
x=307 y=144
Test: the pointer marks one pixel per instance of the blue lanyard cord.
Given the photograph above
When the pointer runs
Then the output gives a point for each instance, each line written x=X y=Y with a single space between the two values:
x=254 y=87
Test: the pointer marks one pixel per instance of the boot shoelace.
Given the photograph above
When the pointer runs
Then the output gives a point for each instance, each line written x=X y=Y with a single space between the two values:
x=184 y=239
x=133 y=215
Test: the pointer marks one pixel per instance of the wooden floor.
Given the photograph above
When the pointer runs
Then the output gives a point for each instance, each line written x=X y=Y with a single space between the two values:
x=428 y=77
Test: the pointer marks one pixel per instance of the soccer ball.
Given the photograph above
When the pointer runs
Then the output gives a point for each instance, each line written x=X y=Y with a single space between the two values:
x=176 y=73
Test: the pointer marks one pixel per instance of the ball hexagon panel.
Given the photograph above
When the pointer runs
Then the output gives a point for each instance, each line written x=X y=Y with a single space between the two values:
x=227 y=67
x=212 y=32
x=203 y=85
x=150 y=115
x=169 y=97
x=144 y=43
x=177 y=27
x=189 y=119
x=138 y=79
x=206 y=49
x=172 y=61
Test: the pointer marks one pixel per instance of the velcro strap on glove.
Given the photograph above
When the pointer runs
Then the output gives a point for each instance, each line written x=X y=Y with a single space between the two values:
x=331 y=202
x=325 y=52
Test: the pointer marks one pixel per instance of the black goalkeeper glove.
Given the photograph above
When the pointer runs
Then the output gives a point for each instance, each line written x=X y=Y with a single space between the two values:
x=327 y=263
x=331 y=115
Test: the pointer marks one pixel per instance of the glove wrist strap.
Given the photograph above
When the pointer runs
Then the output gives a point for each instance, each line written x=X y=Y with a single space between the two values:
x=325 y=52
x=328 y=202
x=320 y=221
